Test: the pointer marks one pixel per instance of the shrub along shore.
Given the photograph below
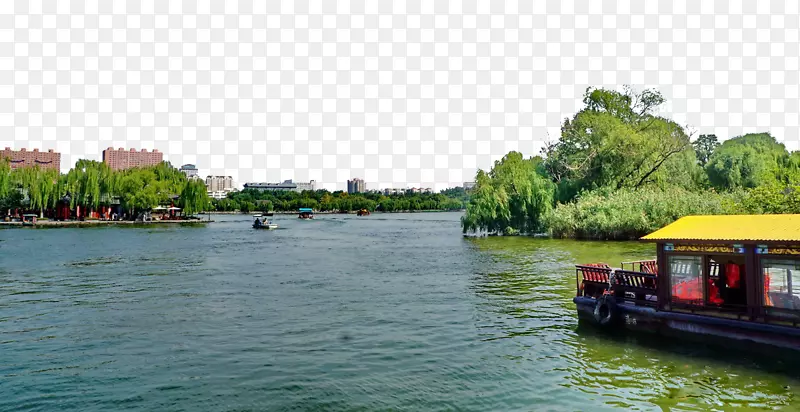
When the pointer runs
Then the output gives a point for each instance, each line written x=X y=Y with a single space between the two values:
x=620 y=171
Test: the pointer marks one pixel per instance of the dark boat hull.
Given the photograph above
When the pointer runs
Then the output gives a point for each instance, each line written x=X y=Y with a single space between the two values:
x=743 y=334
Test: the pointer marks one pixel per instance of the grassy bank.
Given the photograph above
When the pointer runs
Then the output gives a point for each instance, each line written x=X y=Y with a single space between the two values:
x=630 y=214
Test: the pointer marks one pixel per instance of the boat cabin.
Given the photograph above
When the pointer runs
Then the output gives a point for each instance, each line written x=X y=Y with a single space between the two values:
x=306 y=213
x=29 y=219
x=744 y=269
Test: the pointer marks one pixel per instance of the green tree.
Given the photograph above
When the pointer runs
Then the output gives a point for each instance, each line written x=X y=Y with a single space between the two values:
x=615 y=141
x=5 y=178
x=511 y=198
x=704 y=147
x=194 y=197
x=747 y=161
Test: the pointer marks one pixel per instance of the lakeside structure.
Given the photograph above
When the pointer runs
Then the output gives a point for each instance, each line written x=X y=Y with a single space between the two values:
x=412 y=190
x=356 y=185
x=122 y=159
x=23 y=157
x=190 y=171
x=287 y=185
x=218 y=187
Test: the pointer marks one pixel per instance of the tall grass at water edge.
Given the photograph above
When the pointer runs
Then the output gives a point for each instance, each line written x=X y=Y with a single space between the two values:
x=629 y=214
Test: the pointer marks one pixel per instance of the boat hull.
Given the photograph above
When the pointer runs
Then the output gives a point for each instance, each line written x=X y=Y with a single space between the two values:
x=707 y=329
x=268 y=227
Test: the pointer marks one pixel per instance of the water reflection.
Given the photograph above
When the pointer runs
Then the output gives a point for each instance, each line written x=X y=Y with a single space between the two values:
x=532 y=284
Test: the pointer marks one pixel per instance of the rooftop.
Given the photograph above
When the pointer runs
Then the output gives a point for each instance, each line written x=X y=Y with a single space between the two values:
x=767 y=228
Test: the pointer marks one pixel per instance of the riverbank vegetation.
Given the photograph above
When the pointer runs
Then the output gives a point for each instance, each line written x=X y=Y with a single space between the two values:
x=619 y=171
x=321 y=200
x=91 y=185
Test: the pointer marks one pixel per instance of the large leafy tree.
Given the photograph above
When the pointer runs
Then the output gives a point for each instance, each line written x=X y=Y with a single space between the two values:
x=704 y=147
x=615 y=141
x=512 y=198
x=750 y=161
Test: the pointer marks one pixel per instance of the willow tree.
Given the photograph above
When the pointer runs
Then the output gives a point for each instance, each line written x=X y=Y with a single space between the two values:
x=751 y=161
x=194 y=197
x=511 y=198
x=39 y=185
x=86 y=183
x=5 y=178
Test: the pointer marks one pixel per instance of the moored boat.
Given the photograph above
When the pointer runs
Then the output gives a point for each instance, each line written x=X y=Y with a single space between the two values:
x=363 y=212
x=729 y=279
x=260 y=222
x=29 y=220
x=306 y=213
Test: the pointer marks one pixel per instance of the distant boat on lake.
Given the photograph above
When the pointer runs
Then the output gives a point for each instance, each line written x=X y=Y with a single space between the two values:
x=306 y=213
x=260 y=222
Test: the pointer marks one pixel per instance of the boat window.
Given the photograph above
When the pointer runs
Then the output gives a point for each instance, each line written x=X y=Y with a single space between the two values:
x=686 y=278
x=781 y=283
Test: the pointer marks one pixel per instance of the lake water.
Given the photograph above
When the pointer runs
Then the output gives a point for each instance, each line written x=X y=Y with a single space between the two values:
x=386 y=312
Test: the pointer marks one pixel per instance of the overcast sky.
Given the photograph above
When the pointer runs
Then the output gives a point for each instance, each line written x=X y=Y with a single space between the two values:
x=414 y=93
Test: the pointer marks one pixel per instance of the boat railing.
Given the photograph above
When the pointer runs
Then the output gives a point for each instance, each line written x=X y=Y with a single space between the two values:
x=592 y=279
x=628 y=285
x=636 y=287
x=644 y=266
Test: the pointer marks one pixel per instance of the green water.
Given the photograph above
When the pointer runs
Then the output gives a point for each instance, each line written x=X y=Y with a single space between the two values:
x=386 y=312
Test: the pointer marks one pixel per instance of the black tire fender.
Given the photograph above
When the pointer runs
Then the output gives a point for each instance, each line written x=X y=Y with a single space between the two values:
x=605 y=311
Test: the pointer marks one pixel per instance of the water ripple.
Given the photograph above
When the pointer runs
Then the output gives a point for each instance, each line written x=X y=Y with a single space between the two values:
x=390 y=312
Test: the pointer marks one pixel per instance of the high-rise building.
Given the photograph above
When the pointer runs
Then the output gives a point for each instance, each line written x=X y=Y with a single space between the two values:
x=121 y=159
x=216 y=183
x=356 y=185
x=190 y=171
x=23 y=158
x=218 y=187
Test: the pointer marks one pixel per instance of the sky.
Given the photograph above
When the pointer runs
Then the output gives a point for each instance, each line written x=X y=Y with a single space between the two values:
x=401 y=94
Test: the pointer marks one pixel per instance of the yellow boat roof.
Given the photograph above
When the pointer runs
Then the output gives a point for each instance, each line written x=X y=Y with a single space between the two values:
x=768 y=228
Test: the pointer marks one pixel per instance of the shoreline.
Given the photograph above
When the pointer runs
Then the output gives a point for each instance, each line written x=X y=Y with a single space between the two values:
x=330 y=213
x=73 y=223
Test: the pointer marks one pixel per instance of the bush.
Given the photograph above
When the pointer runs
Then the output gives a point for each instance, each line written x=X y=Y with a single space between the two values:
x=631 y=213
x=769 y=199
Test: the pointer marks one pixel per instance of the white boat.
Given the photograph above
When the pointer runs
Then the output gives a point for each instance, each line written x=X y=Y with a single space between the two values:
x=260 y=222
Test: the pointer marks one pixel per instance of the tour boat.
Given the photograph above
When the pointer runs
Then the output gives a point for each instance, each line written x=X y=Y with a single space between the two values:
x=306 y=213
x=29 y=220
x=363 y=212
x=260 y=222
x=726 y=279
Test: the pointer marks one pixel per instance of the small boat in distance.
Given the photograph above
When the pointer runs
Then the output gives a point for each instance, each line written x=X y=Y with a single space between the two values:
x=29 y=220
x=363 y=212
x=306 y=213
x=260 y=222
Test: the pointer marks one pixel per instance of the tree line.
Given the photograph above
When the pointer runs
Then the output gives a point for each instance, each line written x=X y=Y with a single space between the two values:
x=618 y=170
x=249 y=200
x=91 y=184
